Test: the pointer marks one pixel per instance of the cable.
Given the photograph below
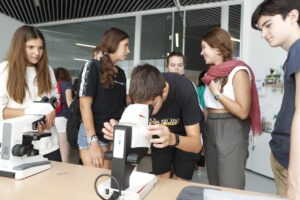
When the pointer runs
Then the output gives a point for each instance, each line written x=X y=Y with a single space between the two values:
x=115 y=194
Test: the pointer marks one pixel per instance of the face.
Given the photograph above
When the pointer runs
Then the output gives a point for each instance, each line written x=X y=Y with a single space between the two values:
x=156 y=104
x=98 y=55
x=34 y=50
x=122 y=51
x=176 y=65
x=275 y=30
x=211 y=55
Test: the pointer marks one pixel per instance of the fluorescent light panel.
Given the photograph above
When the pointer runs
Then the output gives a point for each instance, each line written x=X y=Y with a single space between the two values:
x=80 y=59
x=234 y=39
x=85 y=45
x=177 y=40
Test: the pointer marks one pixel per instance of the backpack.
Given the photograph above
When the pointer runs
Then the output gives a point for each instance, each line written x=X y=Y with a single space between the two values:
x=60 y=104
x=73 y=123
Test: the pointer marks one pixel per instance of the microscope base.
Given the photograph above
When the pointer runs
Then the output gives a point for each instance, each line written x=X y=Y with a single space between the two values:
x=139 y=186
x=25 y=169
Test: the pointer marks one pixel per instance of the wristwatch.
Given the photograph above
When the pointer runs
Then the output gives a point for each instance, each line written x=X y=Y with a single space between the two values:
x=91 y=139
x=217 y=96
x=176 y=140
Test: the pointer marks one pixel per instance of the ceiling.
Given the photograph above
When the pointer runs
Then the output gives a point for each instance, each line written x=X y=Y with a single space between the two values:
x=44 y=11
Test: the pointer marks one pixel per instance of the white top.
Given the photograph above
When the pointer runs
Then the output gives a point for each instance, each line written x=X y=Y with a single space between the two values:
x=209 y=99
x=46 y=144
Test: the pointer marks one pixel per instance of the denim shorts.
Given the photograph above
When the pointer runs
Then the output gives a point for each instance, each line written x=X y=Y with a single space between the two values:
x=82 y=139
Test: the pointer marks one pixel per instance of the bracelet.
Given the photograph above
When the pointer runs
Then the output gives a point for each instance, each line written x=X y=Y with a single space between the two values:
x=91 y=139
x=217 y=96
x=176 y=140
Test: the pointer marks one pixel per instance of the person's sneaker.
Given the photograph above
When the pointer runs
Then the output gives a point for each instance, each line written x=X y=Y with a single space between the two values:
x=199 y=170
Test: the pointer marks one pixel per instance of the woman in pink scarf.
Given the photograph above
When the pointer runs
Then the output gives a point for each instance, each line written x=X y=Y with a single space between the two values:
x=232 y=103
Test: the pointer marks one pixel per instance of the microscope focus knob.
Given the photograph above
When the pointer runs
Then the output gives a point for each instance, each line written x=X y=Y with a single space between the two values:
x=19 y=150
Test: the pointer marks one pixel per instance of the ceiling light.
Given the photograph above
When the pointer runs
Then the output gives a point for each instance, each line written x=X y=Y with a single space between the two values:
x=85 y=45
x=177 y=40
x=80 y=59
x=234 y=39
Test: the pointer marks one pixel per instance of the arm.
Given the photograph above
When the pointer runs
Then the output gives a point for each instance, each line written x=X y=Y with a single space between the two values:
x=189 y=143
x=242 y=91
x=12 y=112
x=95 y=151
x=68 y=93
x=85 y=104
x=293 y=191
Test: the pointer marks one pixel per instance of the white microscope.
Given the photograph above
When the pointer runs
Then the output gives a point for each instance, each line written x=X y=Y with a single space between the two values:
x=131 y=143
x=18 y=158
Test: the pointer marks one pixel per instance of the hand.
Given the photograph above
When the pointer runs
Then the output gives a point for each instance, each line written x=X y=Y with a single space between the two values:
x=108 y=129
x=50 y=119
x=96 y=154
x=163 y=134
x=49 y=122
x=215 y=86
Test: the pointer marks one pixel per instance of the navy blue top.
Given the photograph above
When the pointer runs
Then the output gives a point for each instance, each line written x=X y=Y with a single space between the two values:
x=280 y=142
x=64 y=85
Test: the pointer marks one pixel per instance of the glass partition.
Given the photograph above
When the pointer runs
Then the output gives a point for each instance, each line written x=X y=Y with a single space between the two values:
x=70 y=45
x=156 y=39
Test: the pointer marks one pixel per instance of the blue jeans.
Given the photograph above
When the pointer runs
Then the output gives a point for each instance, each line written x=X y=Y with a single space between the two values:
x=82 y=139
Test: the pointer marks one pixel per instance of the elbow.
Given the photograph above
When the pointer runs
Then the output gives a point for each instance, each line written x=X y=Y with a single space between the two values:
x=197 y=148
x=243 y=116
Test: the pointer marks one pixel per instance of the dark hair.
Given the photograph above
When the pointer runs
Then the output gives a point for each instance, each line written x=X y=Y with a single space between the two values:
x=96 y=50
x=201 y=75
x=109 y=44
x=62 y=74
x=146 y=83
x=17 y=64
x=177 y=54
x=219 y=38
x=274 y=7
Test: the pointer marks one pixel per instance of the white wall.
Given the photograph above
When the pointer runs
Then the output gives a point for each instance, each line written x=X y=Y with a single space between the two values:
x=8 y=27
x=261 y=57
x=255 y=50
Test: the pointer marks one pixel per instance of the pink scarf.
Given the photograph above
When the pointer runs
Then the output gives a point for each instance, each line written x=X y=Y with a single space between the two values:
x=223 y=70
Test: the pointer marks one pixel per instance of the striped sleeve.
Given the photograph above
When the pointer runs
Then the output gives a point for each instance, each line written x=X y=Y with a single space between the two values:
x=89 y=80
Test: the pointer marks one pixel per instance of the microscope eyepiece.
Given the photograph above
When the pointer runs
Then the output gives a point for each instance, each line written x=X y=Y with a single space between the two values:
x=53 y=101
x=45 y=99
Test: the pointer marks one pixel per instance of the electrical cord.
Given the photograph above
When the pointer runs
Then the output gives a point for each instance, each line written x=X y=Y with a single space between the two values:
x=115 y=194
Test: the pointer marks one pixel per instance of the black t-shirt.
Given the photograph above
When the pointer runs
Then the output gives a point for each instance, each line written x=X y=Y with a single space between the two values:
x=107 y=103
x=181 y=108
x=280 y=143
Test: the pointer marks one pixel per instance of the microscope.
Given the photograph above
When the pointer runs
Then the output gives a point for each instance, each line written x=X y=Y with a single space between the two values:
x=130 y=145
x=18 y=158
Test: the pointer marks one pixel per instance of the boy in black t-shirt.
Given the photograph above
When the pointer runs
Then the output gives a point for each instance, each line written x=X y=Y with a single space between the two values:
x=174 y=123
